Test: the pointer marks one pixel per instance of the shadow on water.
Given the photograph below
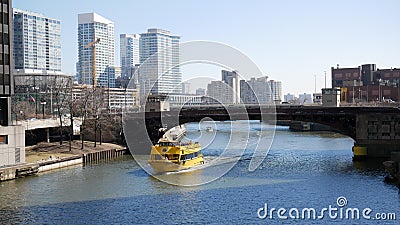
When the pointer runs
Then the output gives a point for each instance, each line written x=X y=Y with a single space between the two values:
x=139 y=173
x=369 y=165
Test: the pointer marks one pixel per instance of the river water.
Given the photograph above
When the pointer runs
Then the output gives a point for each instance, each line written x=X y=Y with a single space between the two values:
x=302 y=170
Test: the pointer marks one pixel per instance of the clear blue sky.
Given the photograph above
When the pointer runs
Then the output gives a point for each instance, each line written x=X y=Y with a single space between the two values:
x=290 y=41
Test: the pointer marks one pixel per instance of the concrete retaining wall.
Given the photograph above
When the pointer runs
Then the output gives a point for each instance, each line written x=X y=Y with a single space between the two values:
x=61 y=164
x=27 y=169
x=19 y=170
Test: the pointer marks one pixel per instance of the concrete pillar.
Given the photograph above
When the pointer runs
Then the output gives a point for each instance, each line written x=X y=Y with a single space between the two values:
x=359 y=152
x=377 y=135
x=371 y=150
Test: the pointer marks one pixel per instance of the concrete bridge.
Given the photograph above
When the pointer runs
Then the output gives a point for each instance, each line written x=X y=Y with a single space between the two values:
x=35 y=124
x=375 y=130
x=40 y=129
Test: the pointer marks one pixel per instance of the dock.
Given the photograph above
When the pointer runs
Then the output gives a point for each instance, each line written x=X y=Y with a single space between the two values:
x=102 y=155
x=30 y=169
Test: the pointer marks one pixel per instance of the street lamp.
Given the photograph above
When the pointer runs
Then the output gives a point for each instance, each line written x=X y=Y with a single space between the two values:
x=379 y=90
x=43 y=103
x=36 y=97
x=96 y=117
x=101 y=136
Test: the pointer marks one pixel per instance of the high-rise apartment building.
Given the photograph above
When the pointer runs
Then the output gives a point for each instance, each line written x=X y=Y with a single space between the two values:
x=231 y=78
x=115 y=73
x=129 y=53
x=161 y=73
x=186 y=88
x=91 y=27
x=200 y=91
x=6 y=63
x=255 y=91
x=276 y=90
x=219 y=92
x=37 y=41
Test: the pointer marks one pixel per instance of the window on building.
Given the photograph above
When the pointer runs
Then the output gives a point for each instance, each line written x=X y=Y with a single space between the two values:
x=3 y=139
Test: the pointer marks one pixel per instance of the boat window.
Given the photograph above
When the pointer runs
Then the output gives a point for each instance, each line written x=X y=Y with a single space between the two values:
x=165 y=144
x=156 y=157
x=172 y=156
x=190 y=156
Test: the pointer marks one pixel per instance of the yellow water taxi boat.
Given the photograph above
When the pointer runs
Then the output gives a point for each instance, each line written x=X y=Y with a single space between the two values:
x=171 y=156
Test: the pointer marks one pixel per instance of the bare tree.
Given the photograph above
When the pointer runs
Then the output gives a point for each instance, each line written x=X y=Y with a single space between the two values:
x=61 y=92
x=74 y=108
x=97 y=112
x=21 y=108
x=82 y=109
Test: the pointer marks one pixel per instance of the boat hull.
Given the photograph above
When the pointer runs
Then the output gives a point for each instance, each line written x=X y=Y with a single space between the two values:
x=167 y=166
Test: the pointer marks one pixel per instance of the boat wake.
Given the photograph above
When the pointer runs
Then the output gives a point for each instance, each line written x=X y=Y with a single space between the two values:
x=209 y=161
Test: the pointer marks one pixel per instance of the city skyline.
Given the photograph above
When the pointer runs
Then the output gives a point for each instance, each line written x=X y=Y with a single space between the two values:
x=289 y=41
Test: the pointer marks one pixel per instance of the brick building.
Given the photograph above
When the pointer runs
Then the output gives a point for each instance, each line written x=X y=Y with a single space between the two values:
x=366 y=83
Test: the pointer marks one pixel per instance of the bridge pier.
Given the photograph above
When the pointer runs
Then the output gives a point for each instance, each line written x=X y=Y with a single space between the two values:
x=377 y=136
x=374 y=150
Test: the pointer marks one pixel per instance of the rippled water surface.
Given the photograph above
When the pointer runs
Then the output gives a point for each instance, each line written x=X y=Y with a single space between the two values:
x=301 y=170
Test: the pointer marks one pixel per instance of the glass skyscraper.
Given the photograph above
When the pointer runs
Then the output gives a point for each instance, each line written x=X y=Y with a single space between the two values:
x=90 y=27
x=37 y=41
x=161 y=74
x=129 y=53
